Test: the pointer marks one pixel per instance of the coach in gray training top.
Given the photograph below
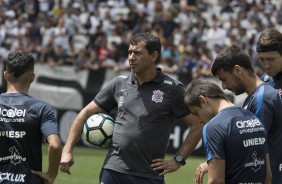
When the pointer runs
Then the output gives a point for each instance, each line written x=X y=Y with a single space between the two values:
x=148 y=101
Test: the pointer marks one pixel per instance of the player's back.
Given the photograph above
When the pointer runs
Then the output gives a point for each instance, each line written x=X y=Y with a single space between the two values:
x=238 y=137
x=20 y=137
x=265 y=102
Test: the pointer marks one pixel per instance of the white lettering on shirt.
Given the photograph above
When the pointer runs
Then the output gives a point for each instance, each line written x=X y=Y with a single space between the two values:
x=12 y=134
x=248 y=123
x=11 y=113
x=254 y=142
x=12 y=177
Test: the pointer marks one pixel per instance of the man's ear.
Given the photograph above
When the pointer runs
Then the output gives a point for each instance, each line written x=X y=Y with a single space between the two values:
x=155 y=55
x=6 y=75
x=237 y=70
x=203 y=99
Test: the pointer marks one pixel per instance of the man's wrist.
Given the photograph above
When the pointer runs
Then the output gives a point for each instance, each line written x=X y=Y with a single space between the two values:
x=180 y=159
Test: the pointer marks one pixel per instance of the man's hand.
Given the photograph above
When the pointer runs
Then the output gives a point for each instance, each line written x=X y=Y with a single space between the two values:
x=200 y=172
x=45 y=176
x=67 y=161
x=166 y=166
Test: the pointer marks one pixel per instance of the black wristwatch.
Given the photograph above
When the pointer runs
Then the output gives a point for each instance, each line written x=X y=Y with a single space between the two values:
x=179 y=158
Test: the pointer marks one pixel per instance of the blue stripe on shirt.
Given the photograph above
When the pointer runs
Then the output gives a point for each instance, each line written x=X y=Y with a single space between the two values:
x=259 y=102
x=208 y=152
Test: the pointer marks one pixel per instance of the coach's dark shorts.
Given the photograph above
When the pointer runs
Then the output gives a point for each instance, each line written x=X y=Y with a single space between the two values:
x=112 y=177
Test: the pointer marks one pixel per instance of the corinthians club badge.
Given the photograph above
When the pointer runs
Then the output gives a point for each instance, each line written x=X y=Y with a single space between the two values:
x=157 y=96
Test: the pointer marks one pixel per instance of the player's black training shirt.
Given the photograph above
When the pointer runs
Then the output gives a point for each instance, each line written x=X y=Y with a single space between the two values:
x=23 y=122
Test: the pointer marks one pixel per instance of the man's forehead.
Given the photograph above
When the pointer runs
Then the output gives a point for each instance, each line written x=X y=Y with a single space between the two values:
x=138 y=46
x=269 y=54
x=134 y=44
x=224 y=75
x=221 y=73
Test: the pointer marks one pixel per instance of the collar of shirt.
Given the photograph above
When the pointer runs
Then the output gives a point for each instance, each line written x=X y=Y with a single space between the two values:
x=278 y=76
x=156 y=79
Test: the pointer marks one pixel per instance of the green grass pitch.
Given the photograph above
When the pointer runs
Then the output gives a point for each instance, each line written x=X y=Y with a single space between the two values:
x=88 y=162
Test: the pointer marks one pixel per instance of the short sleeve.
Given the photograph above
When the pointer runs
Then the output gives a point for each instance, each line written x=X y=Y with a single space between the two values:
x=213 y=139
x=49 y=123
x=105 y=98
x=178 y=106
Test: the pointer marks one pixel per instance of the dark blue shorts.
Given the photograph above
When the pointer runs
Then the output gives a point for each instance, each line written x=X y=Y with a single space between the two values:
x=112 y=177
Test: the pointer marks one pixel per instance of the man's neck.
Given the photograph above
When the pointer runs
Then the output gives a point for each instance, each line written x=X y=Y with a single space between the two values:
x=16 y=89
x=252 y=84
x=222 y=104
x=147 y=77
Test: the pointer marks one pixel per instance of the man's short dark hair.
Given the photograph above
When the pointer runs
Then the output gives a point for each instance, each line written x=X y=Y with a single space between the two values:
x=19 y=62
x=205 y=88
x=229 y=57
x=152 y=43
x=270 y=40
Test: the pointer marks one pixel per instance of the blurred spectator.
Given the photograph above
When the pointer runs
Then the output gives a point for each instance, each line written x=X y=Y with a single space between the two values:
x=33 y=32
x=146 y=10
x=104 y=54
x=46 y=32
x=168 y=25
x=44 y=53
x=132 y=17
x=58 y=57
x=78 y=41
x=95 y=38
x=31 y=7
x=70 y=19
x=122 y=49
x=45 y=5
x=95 y=21
x=60 y=35
x=81 y=59
x=92 y=63
x=186 y=66
x=57 y=9
x=279 y=15
x=214 y=34
x=10 y=19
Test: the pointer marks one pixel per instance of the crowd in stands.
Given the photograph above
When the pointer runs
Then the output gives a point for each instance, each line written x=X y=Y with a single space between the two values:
x=90 y=34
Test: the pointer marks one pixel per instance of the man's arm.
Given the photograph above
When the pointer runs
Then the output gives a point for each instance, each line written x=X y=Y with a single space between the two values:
x=186 y=148
x=54 y=155
x=268 y=177
x=193 y=137
x=75 y=132
x=216 y=169
x=200 y=172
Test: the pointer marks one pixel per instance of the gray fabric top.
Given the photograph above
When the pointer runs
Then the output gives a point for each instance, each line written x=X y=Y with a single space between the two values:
x=144 y=121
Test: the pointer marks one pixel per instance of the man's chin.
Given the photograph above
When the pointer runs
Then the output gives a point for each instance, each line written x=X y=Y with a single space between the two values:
x=135 y=70
x=271 y=74
x=238 y=93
